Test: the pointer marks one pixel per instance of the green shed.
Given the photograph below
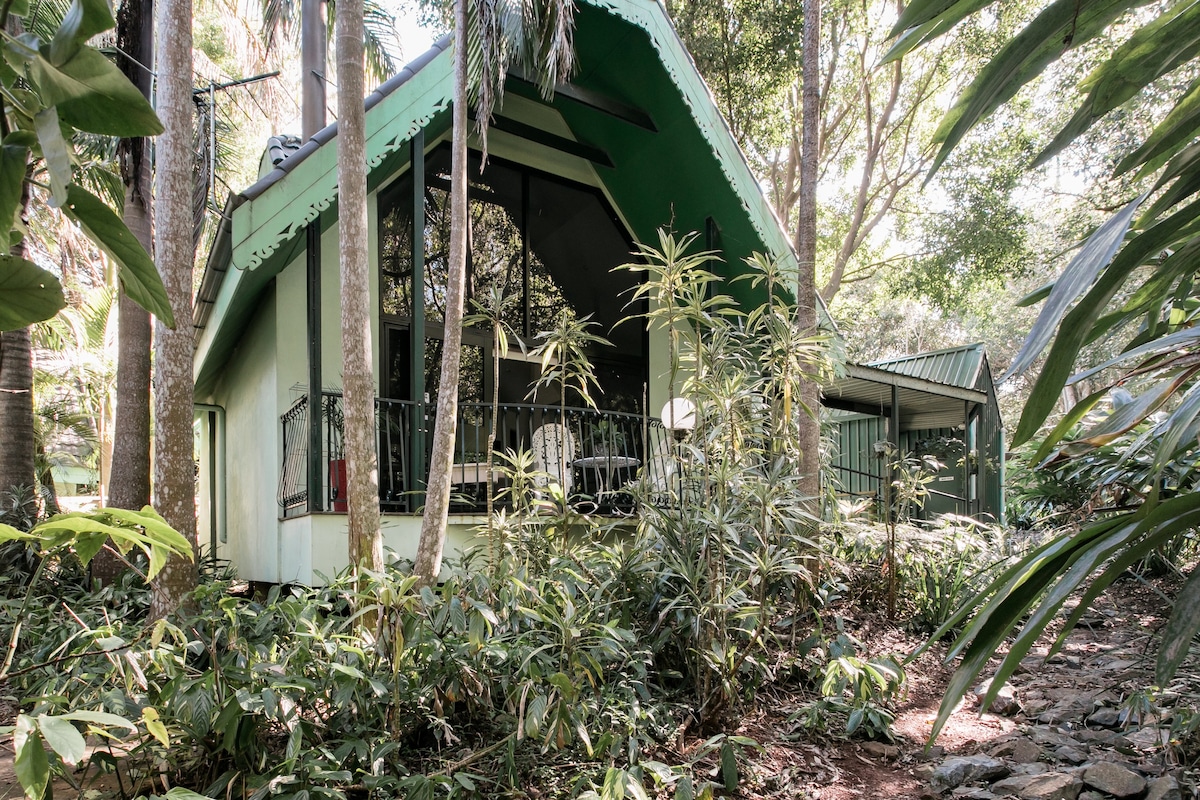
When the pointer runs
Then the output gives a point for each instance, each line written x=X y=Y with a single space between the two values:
x=940 y=405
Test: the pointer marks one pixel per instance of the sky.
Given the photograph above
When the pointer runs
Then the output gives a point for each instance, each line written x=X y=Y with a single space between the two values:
x=414 y=40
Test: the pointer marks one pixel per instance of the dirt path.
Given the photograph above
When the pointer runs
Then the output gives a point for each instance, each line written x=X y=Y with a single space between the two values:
x=1065 y=718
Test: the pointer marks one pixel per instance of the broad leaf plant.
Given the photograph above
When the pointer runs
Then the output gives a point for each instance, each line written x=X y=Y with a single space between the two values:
x=51 y=91
x=1132 y=282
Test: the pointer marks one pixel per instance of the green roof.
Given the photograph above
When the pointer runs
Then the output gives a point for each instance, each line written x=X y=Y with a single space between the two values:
x=954 y=366
x=678 y=171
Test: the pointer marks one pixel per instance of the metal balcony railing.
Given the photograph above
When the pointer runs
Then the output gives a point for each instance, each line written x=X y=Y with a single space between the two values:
x=593 y=455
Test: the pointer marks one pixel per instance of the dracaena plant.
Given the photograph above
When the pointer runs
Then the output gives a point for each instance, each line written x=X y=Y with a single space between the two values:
x=55 y=86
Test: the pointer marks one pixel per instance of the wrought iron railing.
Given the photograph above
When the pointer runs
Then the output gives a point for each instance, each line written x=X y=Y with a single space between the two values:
x=593 y=455
x=293 y=479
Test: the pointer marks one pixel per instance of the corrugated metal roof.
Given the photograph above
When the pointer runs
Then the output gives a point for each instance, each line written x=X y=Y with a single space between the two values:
x=954 y=366
x=924 y=403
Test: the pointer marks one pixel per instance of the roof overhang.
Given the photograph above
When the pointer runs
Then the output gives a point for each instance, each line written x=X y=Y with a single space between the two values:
x=924 y=404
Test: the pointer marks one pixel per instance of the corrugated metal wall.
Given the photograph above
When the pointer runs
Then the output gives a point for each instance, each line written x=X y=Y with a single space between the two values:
x=859 y=472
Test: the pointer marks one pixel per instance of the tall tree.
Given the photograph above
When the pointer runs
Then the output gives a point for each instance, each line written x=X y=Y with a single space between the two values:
x=437 y=493
x=362 y=467
x=875 y=114
x=16 y=413
x=129 y=480
x=174 y=473
x=806 y=246
x=537 y=34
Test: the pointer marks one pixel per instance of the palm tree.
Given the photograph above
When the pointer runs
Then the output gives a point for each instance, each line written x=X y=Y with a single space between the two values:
x=174 y=482
x=281 y=21
x=362 y=469
x=1132 y=280
x=543 y=47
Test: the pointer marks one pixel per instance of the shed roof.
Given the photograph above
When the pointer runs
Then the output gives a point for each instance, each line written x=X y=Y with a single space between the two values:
x=933 y=389
x=953 y=366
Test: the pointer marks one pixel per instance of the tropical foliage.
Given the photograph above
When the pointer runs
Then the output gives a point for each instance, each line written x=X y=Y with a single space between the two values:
x=53 y=89
x=572 y=661
x=1131 y=284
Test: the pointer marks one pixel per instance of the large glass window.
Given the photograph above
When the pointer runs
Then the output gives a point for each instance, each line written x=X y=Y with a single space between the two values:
x=548 y=245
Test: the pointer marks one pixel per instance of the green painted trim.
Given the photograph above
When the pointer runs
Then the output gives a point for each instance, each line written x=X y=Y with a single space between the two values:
x=652 y=18
x=262 y=225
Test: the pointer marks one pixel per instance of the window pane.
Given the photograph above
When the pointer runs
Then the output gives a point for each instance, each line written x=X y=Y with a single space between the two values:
x=395 y=249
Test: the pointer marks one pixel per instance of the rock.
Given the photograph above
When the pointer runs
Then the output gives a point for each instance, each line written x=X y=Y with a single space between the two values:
x=1048 y=737
x=1019 y=751
x=1005 y=703
x=955 y=772
x=1071 y=755
x=1164 y=788
x=881 y=750
x=1149 y=738
x=1052 y=786
x=1011 y=786
x=1114 y=779
x=1036 y=768
x=1069 y=708
x=966 y=793
x=1105 y=718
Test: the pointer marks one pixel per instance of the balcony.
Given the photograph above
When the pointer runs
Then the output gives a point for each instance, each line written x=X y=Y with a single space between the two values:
x=594 y=455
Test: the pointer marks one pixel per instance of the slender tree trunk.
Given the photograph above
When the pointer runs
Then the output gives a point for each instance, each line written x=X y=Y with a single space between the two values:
x=16 y=413
x=174 y=481
x=129 y=485
x=441 y=458
x=362 y=466
x=806 y=247
x=129 y=480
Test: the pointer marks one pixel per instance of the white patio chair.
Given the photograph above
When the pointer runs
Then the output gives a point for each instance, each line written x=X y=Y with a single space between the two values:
x=553 y=449
x=659 y=473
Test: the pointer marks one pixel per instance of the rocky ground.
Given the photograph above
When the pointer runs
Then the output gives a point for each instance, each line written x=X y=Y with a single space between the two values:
x=1071 y=727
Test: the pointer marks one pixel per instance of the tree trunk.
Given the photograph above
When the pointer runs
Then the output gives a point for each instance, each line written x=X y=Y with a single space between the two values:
x=129 y=479
x=362 y=467
x=16 y=415
x=806 y=248
x=129 y=485
x=441 y=458
x=174 y=472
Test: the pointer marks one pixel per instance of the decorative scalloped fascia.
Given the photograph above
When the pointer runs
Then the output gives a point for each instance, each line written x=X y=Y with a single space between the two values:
x=391 y=137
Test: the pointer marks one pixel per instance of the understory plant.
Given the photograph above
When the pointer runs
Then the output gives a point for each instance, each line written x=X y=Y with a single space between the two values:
x=937 y=566
x=48 y=734
x=733 y=533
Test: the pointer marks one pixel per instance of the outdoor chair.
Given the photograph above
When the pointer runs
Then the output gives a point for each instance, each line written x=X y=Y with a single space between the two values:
x=553 y=448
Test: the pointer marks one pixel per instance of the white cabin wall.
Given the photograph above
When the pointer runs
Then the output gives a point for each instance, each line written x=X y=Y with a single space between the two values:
x=248 y=392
